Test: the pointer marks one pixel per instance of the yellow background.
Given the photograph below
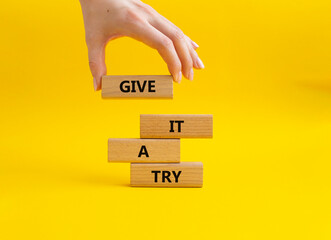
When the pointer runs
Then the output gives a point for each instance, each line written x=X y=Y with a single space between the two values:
x=267 y=82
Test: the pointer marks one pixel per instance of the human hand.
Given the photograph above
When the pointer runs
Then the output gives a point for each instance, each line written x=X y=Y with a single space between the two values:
x=106 y=20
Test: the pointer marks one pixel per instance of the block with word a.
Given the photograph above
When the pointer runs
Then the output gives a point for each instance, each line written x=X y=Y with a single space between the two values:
x=143 y=150
x=137 y=86
x=176 y=126
x=184 y=174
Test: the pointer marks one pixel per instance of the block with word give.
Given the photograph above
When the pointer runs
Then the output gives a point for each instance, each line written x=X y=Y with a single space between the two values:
x=176 y=126
x=137 y=86
x=143 y=150
x=184 y=174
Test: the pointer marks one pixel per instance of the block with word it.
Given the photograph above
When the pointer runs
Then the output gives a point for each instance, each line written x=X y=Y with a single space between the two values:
x=176 y=126
x=184 y=174
x=137 y=86
x=143 y=150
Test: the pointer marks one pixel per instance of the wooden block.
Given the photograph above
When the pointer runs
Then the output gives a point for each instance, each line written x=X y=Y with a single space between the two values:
x=184 y=174
x=143 y=150
x=176 y=126
x=137 y=86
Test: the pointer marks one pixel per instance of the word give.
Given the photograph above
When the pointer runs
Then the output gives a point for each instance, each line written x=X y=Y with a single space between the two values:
x=136 y=85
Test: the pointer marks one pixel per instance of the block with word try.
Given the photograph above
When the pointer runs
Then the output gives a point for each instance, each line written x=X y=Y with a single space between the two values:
x=143 y=150
x=184 y=174
x=137 y=86
x=176 y=126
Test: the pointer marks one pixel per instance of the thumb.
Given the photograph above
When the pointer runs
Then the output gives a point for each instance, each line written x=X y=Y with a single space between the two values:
x=96 y=55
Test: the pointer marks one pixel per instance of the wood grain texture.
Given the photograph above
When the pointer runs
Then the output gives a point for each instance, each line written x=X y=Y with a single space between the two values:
x=137 y=86
x=150 y=150
x=191 y=126
x=165 y=174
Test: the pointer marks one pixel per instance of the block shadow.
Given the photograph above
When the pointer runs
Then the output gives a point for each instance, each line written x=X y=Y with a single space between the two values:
x=316 y=85
x=104 y=180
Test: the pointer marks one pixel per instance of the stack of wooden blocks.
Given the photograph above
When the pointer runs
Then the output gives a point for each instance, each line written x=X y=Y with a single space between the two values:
x=155 y=157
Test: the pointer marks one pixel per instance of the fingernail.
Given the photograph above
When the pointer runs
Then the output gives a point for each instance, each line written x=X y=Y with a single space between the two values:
x=95 y=84
x=190 y=75
x=195 y=44
x=179 y=77
x=200 y=63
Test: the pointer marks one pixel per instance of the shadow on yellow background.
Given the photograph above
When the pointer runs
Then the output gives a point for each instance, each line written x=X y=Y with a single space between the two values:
x=267 y=82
